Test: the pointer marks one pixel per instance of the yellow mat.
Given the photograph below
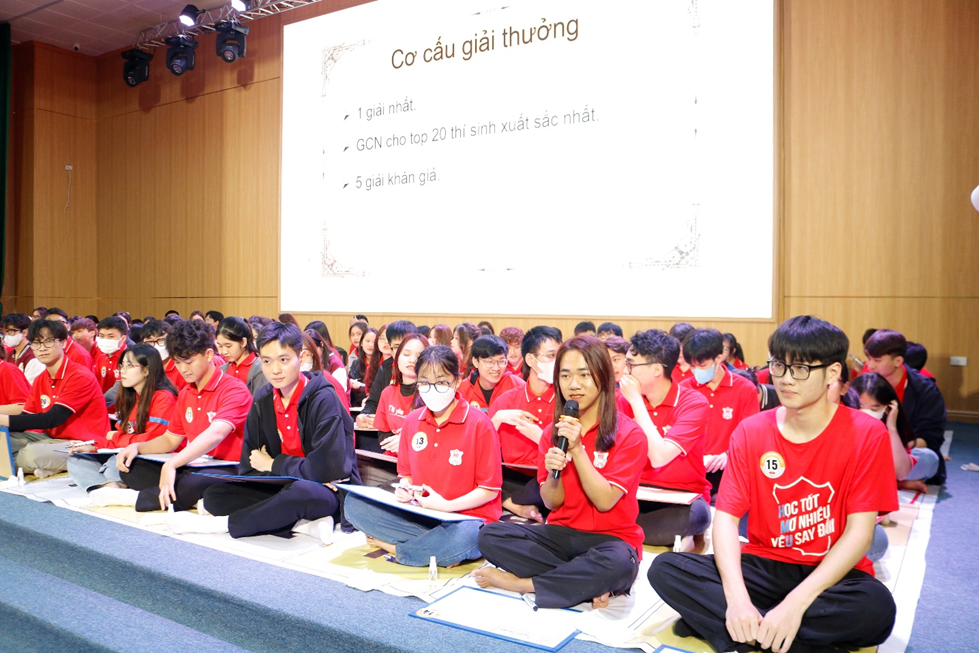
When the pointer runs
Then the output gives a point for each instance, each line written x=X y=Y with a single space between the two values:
x=366 y=557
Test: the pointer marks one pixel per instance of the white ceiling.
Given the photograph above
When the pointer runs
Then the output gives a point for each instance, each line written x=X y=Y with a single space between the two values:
x=96 y=26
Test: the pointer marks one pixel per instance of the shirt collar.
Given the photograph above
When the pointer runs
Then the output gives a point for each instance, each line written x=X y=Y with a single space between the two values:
x=548 y=395
x=672 y=397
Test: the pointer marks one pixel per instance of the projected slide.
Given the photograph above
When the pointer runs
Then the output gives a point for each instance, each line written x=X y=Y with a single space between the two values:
x=565 y=157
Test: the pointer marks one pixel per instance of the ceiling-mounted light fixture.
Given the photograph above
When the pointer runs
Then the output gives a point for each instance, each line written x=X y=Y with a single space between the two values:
x=136 y=70
x=230 y=43
x=239 y=5
x=180 y=54
x=189 y=15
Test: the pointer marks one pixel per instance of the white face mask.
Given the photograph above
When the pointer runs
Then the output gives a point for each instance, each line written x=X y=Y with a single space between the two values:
x=13 y=341
x=306 y=366
x=435 y=400
x=162 y=348
x=107 y=346
x=546 y=373
x=879 y=414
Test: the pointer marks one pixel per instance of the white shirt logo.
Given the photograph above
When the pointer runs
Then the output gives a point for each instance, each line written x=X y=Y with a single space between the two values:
x=189 y=415
x=727 y=413
x=601 y=457
x=210 y=416
x=455 y=457
x=45 y=402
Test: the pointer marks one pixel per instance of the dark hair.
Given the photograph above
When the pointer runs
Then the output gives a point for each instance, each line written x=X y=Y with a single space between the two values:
x=40 y=309
x=171 y=312
x=124 y=315
x=512 y=335
x=173 y=319
x=867 y=334
x=235 y=328
x=114 y=322
x=289 y=318
x=681 y=330
x=466 y=333
x=358 y=325
x=531 y=344
x=19 y=321
x=441 y=334
x=56 y=329
x=488 y=346
x=702 y=345
x=93 y=318
x=82 y=323
x=877 y=387
x=916 y=356
x=396 y=376
x=441 y=359
x=656 y=346
x=399 y=329
x=320 y=327
x=885 y=342
x=55 y=311
x=617 y=344
x=734 y=348
x=749 y=374
x=365 y=360
x=310 y=344
x=807 y=339
x=146 y=356
x=362 y=318
x=609 y=326
x=190 y=338
x=135 y=331
x=485 y=326
x=196 y=314
x=287 y=335
x=216 y=316
x=155 y=329
x=600 y=366
x=423 y=330
x=583 y=327
x=374 y=365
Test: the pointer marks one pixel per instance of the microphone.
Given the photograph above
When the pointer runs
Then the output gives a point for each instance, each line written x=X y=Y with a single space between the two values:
x=570 y=412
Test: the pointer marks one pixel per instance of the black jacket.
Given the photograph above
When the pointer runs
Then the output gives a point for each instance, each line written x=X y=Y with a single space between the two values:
x=925 y=408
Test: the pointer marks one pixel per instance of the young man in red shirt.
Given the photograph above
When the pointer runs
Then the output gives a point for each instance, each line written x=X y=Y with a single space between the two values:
x=73 y=350
x=674 y=419
x=110 y=344
x=730 y=397
x=65 y=404
x=513 y=337
x=83 y=332
x=813 y=477
x=208 y=419
x=16 y=345
x=155 y=333
x=681 y=372
x=490 y=377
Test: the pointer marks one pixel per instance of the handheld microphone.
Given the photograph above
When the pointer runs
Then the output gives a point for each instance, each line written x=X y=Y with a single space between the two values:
x=570 y=412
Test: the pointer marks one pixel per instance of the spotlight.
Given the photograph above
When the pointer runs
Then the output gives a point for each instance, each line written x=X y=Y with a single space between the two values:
x=239 y=5
x=136 y=70
x=189 y=15
x=230 y=43
x=180 y=54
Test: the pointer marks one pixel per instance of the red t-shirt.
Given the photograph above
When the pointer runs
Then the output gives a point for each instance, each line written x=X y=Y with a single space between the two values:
x=902 y=385
x=287 y=420
x=764 y=375
x=621 y=466
x=107 y=367
x=344 y=395
x=473 y=393
x=392 y=409
x=77 y=353
x=240 y=371
x=78 y=391
x=176 y=378
x=157 y=422
x=14 y=388
x=455 y=458
x=734 y=399
x=518 y=449
x=224 y=398
x=682 y=420
x=518 y=370
x=679 y=376
x=799 y=495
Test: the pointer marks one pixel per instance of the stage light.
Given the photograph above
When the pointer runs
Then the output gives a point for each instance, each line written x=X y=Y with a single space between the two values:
x=136 y=70
x=239 y=5
x=189 y=15
x=230 y=43
x=180 y=54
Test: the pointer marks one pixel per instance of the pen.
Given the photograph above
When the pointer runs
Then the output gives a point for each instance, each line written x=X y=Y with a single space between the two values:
x=530 y=603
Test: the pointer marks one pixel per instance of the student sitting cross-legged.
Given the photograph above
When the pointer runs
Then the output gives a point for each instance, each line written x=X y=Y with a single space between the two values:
x=591 y=545
x=208 y=417
x=813 y=477
x=448 y=460
x=297 y=427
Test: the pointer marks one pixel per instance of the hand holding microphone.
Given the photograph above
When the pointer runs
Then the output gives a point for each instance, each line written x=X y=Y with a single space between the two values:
x=569 y=424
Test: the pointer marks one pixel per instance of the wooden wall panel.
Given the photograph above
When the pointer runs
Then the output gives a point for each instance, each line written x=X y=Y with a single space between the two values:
x=64 y=82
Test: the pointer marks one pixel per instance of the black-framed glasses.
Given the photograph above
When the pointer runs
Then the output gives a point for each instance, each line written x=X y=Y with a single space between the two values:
x=440 y=387
x=47 y=343
x=798 y=371
x=631 y=364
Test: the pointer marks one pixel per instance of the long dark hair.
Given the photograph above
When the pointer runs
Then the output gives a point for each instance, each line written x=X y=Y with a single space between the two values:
x=467 y=332
x=375 y=362
x=156 y=380
x=876 y=386
x=396 y=376
x=328 y=349
x=235 y=328
x=600 y=366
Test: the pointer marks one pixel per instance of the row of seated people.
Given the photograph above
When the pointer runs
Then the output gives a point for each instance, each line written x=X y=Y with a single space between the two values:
x=650 y=429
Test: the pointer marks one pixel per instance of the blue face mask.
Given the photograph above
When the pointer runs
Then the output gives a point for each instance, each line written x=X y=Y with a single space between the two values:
x=704 y=376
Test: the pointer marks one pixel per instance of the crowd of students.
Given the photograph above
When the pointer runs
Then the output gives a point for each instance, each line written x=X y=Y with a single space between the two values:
x=796 y=457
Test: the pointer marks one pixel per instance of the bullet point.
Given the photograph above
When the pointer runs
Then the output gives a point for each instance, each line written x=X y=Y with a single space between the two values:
x=345 y=185
x=346 y=148
x=346 y=116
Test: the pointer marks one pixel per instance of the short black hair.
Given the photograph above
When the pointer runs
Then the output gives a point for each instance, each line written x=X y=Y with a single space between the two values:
x=56 y=311
x=361 y=318
x=171 y=312
x=399 y=329
x=584 y=327
x=749 y=375
x=286 y=334
x=656 y=346
x=189 y=338
x=869 y=332
x=886 y=342
x=485 y=326
x=615 y=329
x=702 y=345
x=916 y=356
x=422 y=330
x=19 y=321
x=217 y=316
x=56 y=328
x=93 y=318
x=173 y=319
x=681 y=330
x=808 y=339
x=154 y=329
x=487 y=347
x=531 y=344
x=440 y=358
x=114 y=322
x=617 y=344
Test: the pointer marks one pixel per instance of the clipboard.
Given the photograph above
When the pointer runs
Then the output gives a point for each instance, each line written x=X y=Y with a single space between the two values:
x=7 y=468
x=502 y=617
x=382 y=496
x=204 y=461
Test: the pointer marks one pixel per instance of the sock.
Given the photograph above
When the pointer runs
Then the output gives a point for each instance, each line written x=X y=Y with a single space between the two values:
x=44 y=473
x=187 y=522
x=114 y=496
x=321 y=528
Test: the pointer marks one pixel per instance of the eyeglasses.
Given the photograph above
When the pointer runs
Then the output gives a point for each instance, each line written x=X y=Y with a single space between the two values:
x=162 y=340
x=38 y=345
x=630 y=364
x=125 y=367
x=545 y=358
x=798 y=371
x=440 y=387
x=493 y=362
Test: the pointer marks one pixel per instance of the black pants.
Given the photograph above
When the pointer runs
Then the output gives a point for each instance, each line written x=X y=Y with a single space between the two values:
x=567 y=566
x=714 y=478
x=662 y=522
x=258 y=508
x=144 y=475
x=858 y=611
x=523 y=490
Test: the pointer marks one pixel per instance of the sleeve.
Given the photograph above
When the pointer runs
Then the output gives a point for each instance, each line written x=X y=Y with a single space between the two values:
x=15 y=389
x=630 y=453
x=733 y=497
x=157 y=422
x=33 y=369
x=331 y=456
x=542 y=448
x=53 y=418
x=408 y=431
x=233 y=404
x=929 y=418
x=489 y=469
x=874 y=485
x=112 y=394
x=177 y=424
x=691 y=422
x=381 y=416
x=256 y=379
x=252 y=439
x=624 y=406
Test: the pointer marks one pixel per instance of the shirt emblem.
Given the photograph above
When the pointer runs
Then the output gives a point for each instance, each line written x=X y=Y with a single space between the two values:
x=103 y=371
x=419 y=441
x=601 y=457
x=130 y=427
x=116 y=373
x=210 y=416
x=727 y=413
x=189 y=415
x=45 y=402
x=666 y=428
x=455 y=457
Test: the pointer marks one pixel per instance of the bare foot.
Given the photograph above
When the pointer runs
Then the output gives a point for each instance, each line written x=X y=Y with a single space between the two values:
x=493 y=577
x=381 y=544
x=914 y=486
x=600 y=601
x=687 y=544
x=527 y=512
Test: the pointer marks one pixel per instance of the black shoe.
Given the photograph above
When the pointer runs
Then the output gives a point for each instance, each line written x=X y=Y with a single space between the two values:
x=682 y=629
